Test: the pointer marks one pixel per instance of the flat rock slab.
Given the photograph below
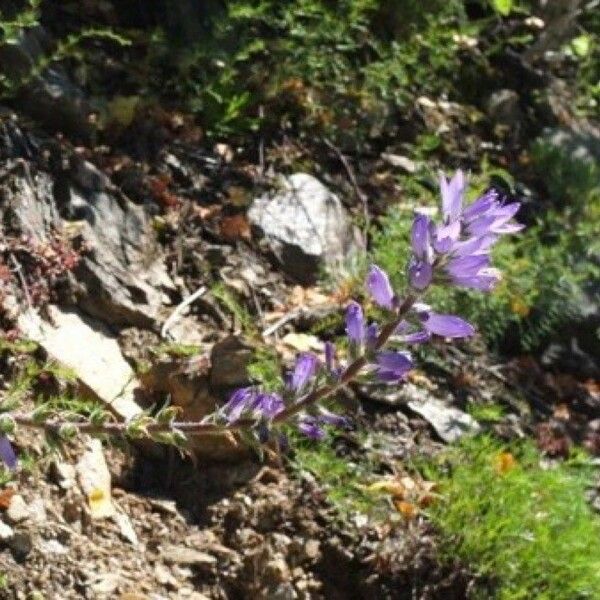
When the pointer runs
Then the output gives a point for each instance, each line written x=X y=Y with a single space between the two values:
x=87 y=348
x=449 y=423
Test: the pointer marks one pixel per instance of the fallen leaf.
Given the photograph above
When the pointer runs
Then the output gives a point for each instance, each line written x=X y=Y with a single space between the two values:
x=5 y=497
x=235 y=228
x=504 y=462
x=407 y=509
x=561 y=412
x=388 y=486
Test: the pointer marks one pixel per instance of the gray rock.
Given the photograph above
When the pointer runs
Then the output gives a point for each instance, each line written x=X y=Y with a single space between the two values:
x=305 y=227
x=21 y=545
x=182 y=555
x=18 y=510
x=27 y=206
x=575 y=146
x=449 y=423
x=6 y=532
x=63 y=474
x=123 y=275
x=126 y=529
x=52 y=547
x=121 y=280
x=503 y=107
x=229 y=361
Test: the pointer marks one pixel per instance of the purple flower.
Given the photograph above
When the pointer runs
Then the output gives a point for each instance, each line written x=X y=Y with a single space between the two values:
x=355 y=323
x=474 y=246
x=420 y=274
x=452 y=196
x=404 y=334
x=485 y=280
x=240 y=401
x=7 y=454
x=392 y=366
x=420 y=237
x=481 y=206
x=489 y=216
x=420 y=270
x=446 y=325
x=305 y=369
x=371 y=335
x=326 y=417
x=445 y=237
x=267 y=404
x=309 y=426
x=248 y=399
x=379 y=287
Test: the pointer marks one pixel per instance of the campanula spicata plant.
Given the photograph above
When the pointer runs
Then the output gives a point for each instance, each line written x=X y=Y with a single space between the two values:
x=454 y=251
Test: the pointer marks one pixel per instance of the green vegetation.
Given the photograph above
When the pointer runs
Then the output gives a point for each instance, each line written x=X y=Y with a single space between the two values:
x=229 y=300
x=70 y=47
x=526 y=527
x=265 y=369
x=269 y=53
x=343 y=480
x=176 y=350
x=486 y=413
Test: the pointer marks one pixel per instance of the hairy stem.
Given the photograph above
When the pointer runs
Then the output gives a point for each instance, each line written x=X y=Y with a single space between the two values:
x=197 y=428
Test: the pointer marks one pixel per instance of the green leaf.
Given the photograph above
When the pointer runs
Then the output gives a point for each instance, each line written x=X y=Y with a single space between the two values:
x=504 y=7
x=581 y=45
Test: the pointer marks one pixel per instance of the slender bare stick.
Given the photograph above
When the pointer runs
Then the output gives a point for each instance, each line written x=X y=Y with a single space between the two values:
x=179 y=309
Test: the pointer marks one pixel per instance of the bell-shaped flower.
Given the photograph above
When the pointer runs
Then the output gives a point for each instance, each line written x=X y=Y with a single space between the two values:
x=420 y=237
x=310 y=427
x=7 y=453
x=326 y=417
x=355 y=323
x=306 y=367
x=239 y=402
x=492 y=217
x=392 y=366
x=481 y=206
x=420 y=274
x=452 y=196
x=448 y=326
x=378 y=284
x=485 y=280
x=267 y=405
x=371 y=335
x=405 y=333
x=420 y=270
